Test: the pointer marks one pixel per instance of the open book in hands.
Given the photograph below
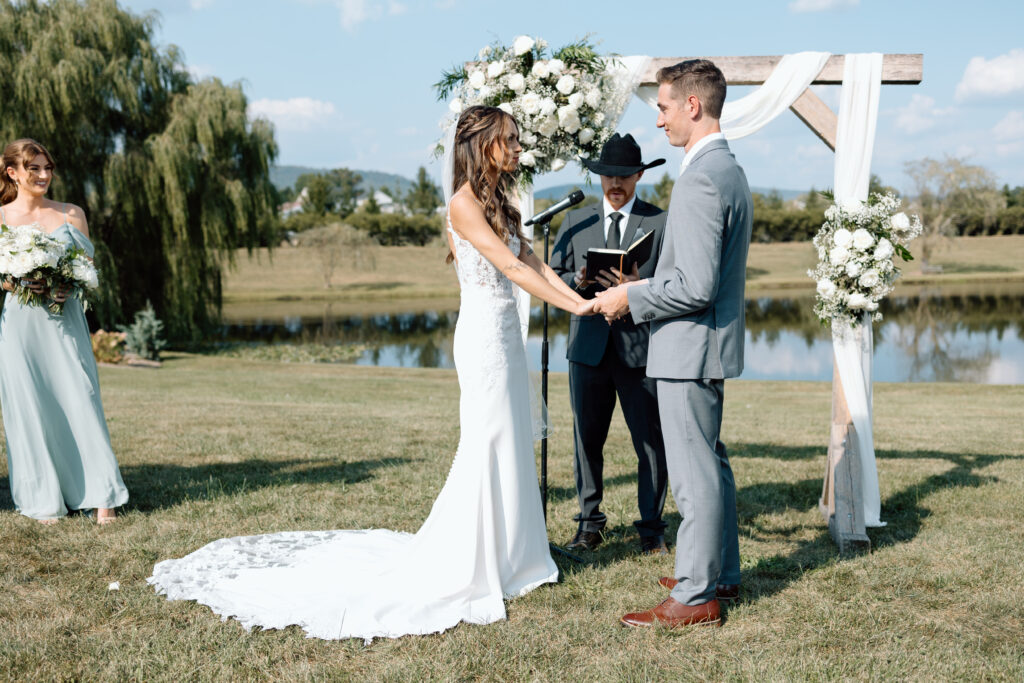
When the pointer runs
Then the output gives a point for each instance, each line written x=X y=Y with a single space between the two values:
x=620 y=259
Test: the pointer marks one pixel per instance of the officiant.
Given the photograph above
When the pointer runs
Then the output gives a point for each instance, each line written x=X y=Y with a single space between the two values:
x=608 y=360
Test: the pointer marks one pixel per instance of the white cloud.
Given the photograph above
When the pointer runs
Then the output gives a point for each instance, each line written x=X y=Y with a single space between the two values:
x=297 y=113
x=919 y=114
x=355 y=12
x=199 y=71
x=1000 y=75
x=799 y=6
x=1011 y=127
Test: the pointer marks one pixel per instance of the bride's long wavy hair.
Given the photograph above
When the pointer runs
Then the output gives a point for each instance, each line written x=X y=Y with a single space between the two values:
x=478 y=129
x=18 y=153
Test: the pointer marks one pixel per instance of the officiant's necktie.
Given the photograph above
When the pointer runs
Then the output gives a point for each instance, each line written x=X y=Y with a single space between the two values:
x=613 y=232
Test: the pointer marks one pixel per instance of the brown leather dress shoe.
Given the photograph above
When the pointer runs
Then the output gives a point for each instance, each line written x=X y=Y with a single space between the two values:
x=726 y=592
x=672 y=614
x=653 y=545
x=585 y=540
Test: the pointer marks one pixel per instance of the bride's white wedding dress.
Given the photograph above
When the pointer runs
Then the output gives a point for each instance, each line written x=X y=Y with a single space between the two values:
x=484 y=540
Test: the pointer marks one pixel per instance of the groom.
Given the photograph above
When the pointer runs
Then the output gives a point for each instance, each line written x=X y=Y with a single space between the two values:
x=694 y=303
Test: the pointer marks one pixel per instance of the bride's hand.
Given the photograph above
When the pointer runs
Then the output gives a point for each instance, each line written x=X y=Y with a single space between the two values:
x=586 y=307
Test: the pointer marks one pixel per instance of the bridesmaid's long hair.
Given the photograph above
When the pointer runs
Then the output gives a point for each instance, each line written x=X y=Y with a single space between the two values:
x=18 y=153
x=475 y=134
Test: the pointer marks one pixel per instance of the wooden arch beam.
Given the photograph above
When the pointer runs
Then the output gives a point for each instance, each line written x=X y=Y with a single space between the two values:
x=897 y=69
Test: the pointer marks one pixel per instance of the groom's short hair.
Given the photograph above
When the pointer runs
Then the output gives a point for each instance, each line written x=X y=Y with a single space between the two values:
x=698 y=77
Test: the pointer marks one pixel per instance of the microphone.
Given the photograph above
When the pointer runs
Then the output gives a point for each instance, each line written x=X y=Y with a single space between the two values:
x=544 y=216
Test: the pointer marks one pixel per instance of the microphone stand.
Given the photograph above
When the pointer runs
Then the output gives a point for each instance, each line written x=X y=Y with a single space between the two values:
x=546 y=228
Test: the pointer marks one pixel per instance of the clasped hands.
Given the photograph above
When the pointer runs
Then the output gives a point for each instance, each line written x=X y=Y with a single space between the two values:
x=38 y=287
x=612 y=303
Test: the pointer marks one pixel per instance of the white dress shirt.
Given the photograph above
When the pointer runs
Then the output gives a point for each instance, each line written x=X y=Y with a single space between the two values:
x=625 y=211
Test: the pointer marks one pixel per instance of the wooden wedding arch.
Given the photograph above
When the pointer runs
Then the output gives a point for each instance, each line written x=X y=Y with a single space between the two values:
x=841 y=502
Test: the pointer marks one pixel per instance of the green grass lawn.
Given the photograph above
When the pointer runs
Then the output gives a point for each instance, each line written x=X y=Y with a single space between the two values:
x=213 y=447
x=292 y=277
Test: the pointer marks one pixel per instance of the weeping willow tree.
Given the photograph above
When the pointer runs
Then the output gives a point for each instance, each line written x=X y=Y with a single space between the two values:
x=172 y=173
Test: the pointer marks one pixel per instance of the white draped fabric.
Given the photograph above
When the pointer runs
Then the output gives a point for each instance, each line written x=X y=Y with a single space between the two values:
x=855 y=139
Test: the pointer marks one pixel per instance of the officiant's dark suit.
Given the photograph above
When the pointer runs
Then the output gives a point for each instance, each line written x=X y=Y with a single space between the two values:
x=605 y=360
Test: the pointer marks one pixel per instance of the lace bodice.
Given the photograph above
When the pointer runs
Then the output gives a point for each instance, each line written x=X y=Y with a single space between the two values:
x=477 y=273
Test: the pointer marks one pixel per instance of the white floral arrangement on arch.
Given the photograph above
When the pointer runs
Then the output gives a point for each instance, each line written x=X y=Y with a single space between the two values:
x=856 y=248
x=560 y=99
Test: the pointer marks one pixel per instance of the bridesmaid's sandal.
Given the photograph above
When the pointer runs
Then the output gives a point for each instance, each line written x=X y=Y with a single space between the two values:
x=48 y=522
x=105 y=516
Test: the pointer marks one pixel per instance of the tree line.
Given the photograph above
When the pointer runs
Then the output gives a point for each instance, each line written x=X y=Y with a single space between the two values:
x=334 y=196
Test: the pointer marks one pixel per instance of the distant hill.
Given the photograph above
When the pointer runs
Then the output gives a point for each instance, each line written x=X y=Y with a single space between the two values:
x=285 y=176
x=594 y=190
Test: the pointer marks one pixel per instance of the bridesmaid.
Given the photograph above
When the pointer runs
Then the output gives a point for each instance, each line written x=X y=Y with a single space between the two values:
x=58 y=448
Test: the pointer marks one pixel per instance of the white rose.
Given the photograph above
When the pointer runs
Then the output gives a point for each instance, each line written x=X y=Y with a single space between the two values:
x=485 y=91
x=528 y=138
x=862 y=239
x=842 y=238
x=527 y=159
x=599 y=118
x=869 y=279
x=530 y=103
x=826 y=289
x=477 y=79
x=495 y=69
x=593 y=97
x=456 y=105
x=548 y=125
x=556 y=66
x=484 y=52
x=22 y=265
x=884 y=250
x=586 y=136
x=547 y=106
x=838 y=256
x=569 y=119
x=857 y=301
x=884 y=266
x=507 y=108
x=540 y=69
x=522 y=45
x=853 y=268
x=900 y=222
x=558 y=164
x=566 y=84
x=575 y=100
x=872 y=306
x=852 y=206
x=517 y=83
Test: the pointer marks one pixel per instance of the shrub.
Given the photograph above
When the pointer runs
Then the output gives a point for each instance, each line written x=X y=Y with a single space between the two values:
x=393 y=230
x=108 y=347
x=144 y=337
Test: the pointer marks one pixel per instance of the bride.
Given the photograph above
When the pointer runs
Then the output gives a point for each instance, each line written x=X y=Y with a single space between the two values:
x=484 y=539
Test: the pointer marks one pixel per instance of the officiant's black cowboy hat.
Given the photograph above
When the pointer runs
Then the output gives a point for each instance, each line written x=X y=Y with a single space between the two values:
x=620 y=157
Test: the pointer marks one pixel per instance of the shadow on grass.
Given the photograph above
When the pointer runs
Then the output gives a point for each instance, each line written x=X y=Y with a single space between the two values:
x=158 y=486
x=904 y=512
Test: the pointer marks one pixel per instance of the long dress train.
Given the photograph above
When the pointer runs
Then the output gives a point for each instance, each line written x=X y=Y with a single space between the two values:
x=58 y=447
x=484 y=539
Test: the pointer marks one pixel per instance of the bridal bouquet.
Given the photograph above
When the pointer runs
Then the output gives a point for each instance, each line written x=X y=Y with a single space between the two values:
x=856 y=247
x=28 y=253
x=559 y=99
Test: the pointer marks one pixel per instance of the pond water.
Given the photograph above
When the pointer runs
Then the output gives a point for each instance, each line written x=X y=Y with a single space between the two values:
x=926 y=336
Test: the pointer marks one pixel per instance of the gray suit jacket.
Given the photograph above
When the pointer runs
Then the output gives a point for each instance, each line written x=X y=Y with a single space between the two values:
x=694 y=301
x=581 y=230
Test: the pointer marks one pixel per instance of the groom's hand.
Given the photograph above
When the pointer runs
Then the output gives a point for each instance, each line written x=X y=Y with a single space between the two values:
x=613 y=302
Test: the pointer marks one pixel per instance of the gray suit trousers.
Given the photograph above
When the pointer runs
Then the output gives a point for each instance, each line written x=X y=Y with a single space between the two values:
x=707 y=543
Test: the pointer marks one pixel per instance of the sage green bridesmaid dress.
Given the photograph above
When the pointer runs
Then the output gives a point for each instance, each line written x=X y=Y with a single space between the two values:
x=58 y=447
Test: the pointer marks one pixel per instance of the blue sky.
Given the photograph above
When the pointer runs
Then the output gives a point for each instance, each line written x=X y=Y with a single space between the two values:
x=347 y=83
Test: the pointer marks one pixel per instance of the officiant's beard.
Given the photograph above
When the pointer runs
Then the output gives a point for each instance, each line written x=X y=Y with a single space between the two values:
x=619 y=190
